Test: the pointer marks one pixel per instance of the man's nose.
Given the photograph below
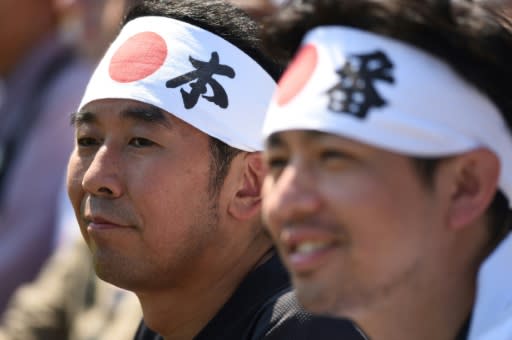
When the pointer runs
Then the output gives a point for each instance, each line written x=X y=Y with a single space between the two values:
x=103 y=176
x=293 y=196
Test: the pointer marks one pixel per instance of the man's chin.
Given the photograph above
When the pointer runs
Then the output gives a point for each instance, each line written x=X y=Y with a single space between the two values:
x=312 y=295
x=114 y=270
x=119 y=279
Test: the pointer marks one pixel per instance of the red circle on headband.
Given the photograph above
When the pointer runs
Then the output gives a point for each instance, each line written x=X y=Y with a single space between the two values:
x=140 y=56
x=297 y=75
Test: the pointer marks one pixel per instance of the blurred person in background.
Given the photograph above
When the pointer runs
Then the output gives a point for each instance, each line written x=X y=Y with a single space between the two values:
x=41 y=81
x=93 y=23
x=67 y=301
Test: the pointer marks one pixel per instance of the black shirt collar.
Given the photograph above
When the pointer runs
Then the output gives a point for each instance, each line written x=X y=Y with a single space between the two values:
x=264 y=282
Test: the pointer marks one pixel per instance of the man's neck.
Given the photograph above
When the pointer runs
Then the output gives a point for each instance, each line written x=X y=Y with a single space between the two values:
x=182 y=313
x=425 y=313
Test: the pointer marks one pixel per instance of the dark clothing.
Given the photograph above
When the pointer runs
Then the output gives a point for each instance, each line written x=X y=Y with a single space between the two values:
x=264 y=307
x=463 y=333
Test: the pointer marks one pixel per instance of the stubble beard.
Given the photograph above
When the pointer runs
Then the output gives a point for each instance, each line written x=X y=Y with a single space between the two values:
x=121 y=271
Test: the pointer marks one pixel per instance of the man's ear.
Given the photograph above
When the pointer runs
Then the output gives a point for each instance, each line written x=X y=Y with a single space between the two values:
x=247 y=200
x=474 y=184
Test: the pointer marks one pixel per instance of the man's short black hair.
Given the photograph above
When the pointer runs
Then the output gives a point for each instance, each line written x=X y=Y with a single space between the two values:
x=474 y=38
x=232 y=24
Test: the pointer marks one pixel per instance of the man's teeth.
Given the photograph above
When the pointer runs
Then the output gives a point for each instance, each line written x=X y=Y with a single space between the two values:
x=309 y=247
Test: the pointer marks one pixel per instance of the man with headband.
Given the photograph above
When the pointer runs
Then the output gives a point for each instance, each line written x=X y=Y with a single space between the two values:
x=165 y=176
x=389 y=152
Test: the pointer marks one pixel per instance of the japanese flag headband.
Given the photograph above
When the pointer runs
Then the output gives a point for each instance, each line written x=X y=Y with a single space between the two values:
x=388 y=94
x=189 y=72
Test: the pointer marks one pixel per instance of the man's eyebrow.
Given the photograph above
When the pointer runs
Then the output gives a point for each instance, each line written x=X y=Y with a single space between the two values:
x=147 y=114
x=82 y=117
x=314 y=134
x=275 y=139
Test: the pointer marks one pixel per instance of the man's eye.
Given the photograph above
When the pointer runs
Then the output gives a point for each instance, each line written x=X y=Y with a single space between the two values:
x=141 y=142
x=332 y=155
x=87 y=141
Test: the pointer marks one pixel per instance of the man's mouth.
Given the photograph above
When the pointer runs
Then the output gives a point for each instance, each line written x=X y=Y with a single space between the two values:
x=96 y=222
x=306 y=249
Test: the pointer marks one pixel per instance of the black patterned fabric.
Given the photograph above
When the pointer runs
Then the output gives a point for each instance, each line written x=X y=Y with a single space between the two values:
x=264 y=307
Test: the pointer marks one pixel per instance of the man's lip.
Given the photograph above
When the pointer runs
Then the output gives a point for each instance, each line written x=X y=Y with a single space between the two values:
x=291 y=236
x=306 y=248
x=97 y=222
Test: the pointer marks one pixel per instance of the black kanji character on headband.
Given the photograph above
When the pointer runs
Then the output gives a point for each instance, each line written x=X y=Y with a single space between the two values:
x=203 y=75
x=355 y=94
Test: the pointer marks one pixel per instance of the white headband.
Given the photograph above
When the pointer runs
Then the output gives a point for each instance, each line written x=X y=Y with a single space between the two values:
x=189 y=72
x=388 y=94
x=492 y=314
